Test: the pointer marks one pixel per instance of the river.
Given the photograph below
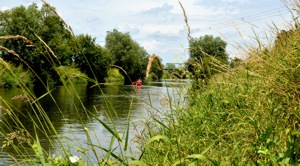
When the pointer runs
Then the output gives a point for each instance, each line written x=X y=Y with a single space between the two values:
x=65 y=109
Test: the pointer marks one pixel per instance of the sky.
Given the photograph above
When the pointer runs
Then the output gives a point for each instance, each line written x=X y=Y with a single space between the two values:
x=159 y=26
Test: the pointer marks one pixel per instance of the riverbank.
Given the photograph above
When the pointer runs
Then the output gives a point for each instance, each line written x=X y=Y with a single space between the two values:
x=247 y=115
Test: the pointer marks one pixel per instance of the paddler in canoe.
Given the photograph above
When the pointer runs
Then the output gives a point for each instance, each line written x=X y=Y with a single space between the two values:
x=138 y=82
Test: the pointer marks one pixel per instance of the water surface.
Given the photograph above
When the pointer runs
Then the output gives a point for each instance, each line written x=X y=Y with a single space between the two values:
x=67 y=110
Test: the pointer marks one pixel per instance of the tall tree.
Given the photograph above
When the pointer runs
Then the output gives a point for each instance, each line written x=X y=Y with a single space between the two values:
x=203 y=51
x=127 y=54
x=31 y=22
x=92 y=59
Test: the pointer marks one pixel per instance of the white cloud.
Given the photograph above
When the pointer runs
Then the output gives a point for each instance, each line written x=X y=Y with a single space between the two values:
x=4 y=8
x=237 y=1
x=152 y=45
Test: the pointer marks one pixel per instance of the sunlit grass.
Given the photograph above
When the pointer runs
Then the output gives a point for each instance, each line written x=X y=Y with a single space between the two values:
x=248 y=115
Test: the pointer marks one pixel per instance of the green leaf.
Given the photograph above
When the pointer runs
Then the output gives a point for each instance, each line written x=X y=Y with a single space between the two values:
x=107 y=127
x=128 y=125
x=161 y=123
x=137 y=163
x=79 y=149
x=38 y=150
x=205 y=150
x=111 y=152
x=158 y=138
x=196 y=156
x=42 y=96
x=178 y=162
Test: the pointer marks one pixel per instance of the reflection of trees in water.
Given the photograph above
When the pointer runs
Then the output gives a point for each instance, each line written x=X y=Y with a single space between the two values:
x=67 y=111
x=20 y=120
x=61 y=108
x=113 y=101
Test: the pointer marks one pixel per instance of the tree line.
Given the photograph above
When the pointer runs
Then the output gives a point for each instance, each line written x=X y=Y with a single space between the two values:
x=54 y=45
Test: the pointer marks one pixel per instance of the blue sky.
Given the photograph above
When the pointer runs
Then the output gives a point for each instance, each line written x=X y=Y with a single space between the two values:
x=158 y=25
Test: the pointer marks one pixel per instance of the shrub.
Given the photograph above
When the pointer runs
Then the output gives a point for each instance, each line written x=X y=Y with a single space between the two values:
x=11 y=76
x=70 y=75
x=114 y=77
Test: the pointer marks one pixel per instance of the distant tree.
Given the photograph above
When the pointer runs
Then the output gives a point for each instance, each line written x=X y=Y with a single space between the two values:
x=157 y=69
x=235 y=62
x=203 y=51
x=169 y=69
x=127 y=54
x=208 y=45
x=92 y=59
x=31 y=22
x=170 y=66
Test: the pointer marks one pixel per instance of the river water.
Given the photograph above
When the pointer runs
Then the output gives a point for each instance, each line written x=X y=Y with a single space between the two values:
x=65 y=108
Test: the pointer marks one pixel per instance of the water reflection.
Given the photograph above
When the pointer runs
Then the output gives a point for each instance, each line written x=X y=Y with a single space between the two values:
x=67 y=109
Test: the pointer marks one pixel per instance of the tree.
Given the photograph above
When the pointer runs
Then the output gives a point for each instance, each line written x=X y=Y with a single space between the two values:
x=33 y=24
x=203 y=51
x=127 y=54
x=92 y=59
x=157 y=69
x=235 y=62
x=170 y=67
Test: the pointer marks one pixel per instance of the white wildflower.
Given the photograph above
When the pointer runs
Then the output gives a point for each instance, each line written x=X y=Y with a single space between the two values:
x=74 y=159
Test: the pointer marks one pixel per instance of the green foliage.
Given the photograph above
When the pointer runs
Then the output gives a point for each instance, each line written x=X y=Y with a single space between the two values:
x=92 y=59
x=35 y=24
x=114 y=77
x=204 y=53
x=173 y=71
x=11 y=76
x=127 y=54
x=247 y=116
x=71 y=75
x=156 y=71
x=235 y=62
x=41 y=41
x=58 y=161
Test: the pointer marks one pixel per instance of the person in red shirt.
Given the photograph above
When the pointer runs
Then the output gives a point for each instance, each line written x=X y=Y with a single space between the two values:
x=139 y=82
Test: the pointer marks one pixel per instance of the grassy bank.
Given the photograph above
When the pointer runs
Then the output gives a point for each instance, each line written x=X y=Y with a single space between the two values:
x=247 y=115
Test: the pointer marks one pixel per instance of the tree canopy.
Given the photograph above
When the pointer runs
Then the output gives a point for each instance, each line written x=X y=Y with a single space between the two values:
x=127 y=54
x=203 y=51
x=52 y=44
x=35 y=24
x=92 y=59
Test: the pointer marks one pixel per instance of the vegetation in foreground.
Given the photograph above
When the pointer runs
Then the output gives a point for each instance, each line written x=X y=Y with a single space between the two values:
x=248 y=115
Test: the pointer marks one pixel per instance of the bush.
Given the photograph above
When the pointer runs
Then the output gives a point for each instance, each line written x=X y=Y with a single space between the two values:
x=114 y=77
x=70 y=75
x=11 y=76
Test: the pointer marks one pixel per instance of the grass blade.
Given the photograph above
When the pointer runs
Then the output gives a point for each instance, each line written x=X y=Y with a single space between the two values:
x=128 y=125
x=38 y=150
x=107 y=127
x=158 y=138
x=112 y=154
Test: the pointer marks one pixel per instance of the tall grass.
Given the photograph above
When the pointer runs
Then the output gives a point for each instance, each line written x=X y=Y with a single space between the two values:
x=25 y=141
x=248 y=115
